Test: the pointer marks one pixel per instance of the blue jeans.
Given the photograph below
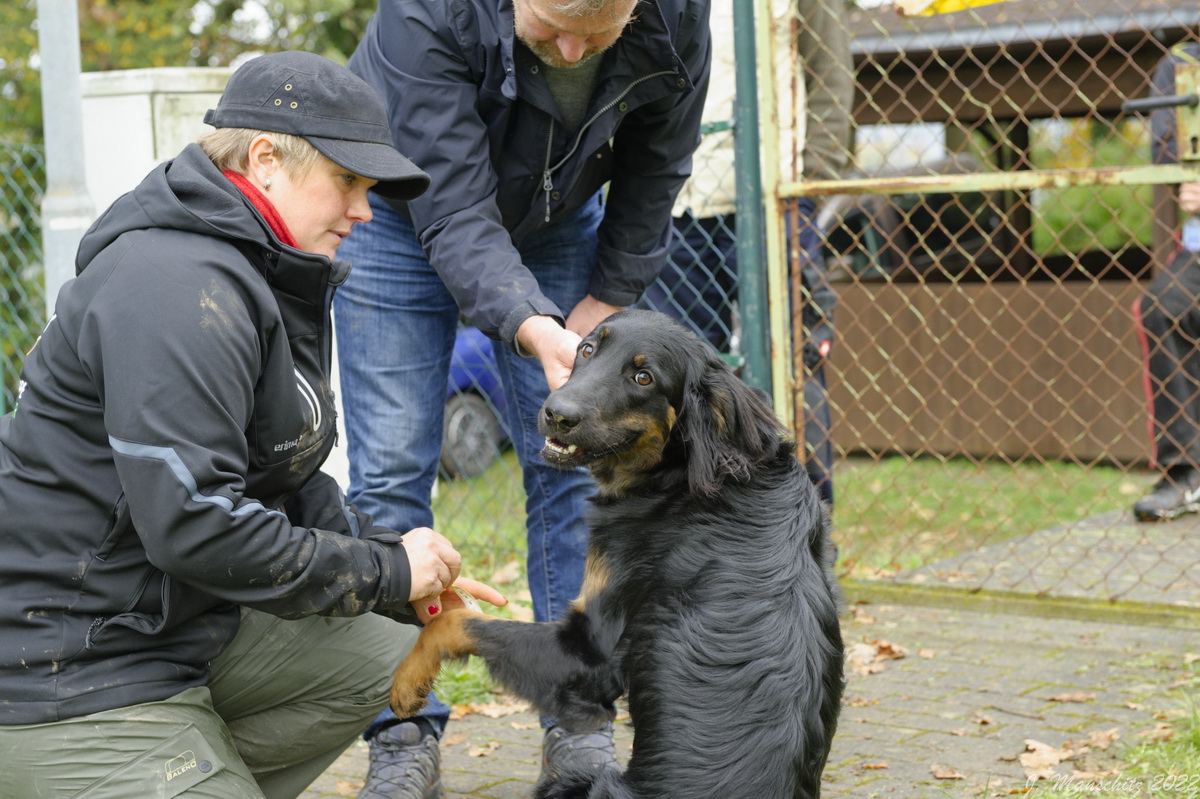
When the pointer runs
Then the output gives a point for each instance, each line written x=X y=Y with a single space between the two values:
x=396 y=323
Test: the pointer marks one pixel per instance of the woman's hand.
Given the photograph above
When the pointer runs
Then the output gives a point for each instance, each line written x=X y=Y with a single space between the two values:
x=433 y=562
x=449 y=599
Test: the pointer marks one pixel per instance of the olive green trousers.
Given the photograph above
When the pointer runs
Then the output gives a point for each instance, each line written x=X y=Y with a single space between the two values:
x=284 y=700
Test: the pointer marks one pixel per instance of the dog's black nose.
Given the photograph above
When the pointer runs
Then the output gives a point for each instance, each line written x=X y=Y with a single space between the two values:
x=560 y=416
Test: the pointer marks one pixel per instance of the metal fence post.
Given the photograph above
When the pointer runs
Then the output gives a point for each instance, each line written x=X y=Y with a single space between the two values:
x=67 y=209
x=752 y=280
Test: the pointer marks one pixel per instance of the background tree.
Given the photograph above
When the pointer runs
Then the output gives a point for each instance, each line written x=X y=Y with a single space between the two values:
x=134 y=34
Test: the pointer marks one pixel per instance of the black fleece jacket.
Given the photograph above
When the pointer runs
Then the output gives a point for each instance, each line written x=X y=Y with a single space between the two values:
x=161 y=468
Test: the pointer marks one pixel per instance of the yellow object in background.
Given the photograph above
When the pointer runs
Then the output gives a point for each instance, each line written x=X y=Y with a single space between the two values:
x=927 y=8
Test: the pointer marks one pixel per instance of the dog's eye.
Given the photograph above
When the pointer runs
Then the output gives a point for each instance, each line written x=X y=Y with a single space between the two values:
x=586 y=349
x=643 y=378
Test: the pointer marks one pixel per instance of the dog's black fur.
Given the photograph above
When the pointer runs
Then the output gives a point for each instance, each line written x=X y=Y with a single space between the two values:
x=708 y=597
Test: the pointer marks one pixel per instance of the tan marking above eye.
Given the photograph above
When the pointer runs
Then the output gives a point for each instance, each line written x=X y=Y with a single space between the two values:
x=639 y=361
x=604 y=332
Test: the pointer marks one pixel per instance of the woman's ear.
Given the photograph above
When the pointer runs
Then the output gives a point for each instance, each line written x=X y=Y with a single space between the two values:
x=262 y=162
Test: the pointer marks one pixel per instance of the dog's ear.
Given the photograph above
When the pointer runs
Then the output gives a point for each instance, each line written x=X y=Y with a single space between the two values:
x=726 y=426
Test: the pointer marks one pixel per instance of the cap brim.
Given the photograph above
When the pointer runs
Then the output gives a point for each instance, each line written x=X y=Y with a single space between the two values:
x=399 y=178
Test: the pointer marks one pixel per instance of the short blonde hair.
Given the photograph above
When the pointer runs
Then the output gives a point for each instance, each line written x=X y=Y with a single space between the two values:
x=229 y=148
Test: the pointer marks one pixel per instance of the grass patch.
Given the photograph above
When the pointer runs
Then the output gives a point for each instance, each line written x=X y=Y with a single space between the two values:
x=900 y=513
x=465 y=682
x=484 y=517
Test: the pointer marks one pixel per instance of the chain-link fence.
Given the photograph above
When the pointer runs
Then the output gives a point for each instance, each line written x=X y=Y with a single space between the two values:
x=21 y=317
x=989 y=248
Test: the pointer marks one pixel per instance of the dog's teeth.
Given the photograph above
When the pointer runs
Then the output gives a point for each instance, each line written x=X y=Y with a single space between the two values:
x=571 y=450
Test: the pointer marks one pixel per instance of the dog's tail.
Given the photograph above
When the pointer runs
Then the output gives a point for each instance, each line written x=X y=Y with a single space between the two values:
x=585 y=784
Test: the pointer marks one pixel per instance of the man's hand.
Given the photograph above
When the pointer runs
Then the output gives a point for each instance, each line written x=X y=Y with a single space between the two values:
x=1189 y=197
x=433 y=562
x=550 y=344
x=588 y=313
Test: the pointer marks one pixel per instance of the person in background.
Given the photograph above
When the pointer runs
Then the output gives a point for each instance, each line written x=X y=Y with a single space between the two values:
x=521 y=113
x=1168 y=318
x=187 y=604
x=699 y=284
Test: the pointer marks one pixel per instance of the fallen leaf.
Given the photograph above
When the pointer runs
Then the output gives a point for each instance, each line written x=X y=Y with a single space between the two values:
x=1073 y=696
x=1190 y=657
x=524 y=725
x=941 y=772
x=874 y=766
x=982 y=719
x=889 y=651
x=1102 y=739
x=858 y=614
x=483 y=751
x=1094 y=775
x=454 y=740
x=347 y=787
x=868 y=657
x=1159 y=733
x=927 y=653
x=1040 y=758
x=859 y=702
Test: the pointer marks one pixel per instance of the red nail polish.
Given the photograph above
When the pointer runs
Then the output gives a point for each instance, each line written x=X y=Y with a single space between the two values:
x=433 y=610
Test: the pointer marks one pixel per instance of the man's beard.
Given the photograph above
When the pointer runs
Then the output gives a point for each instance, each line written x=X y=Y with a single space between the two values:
x=549 y=54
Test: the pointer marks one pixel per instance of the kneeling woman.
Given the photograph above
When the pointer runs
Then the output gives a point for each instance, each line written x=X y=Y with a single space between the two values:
x=187 y=605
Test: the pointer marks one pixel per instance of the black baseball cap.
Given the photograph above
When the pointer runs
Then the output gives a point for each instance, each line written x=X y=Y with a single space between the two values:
x=327 y=105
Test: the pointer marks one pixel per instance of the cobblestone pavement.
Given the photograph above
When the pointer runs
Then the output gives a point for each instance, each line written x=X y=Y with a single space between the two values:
x=939 y=703
x=1105 y=557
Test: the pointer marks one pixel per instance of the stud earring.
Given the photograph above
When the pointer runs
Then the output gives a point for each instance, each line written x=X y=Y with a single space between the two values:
x=267 y=184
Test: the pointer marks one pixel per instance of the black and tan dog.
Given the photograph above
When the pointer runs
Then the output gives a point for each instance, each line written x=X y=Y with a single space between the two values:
x=708 y=598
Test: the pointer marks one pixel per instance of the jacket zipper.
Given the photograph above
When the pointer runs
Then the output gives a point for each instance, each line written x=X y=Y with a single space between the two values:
x=547 y=179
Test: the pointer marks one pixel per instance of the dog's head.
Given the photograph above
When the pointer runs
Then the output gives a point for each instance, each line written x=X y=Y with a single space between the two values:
x=649 y=397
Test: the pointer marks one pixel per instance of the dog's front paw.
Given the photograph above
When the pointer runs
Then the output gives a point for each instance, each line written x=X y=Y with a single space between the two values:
x=446 y=637
x=411 y=685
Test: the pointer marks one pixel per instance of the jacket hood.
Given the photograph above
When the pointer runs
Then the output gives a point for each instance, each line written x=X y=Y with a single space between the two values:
x=187 y=193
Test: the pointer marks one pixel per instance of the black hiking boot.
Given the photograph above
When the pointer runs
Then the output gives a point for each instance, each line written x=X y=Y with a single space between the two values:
x=577 y=751
x=404 y=765
x=1174 y=495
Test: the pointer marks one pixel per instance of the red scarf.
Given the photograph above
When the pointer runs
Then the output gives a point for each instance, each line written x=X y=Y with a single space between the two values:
x=260 y=201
